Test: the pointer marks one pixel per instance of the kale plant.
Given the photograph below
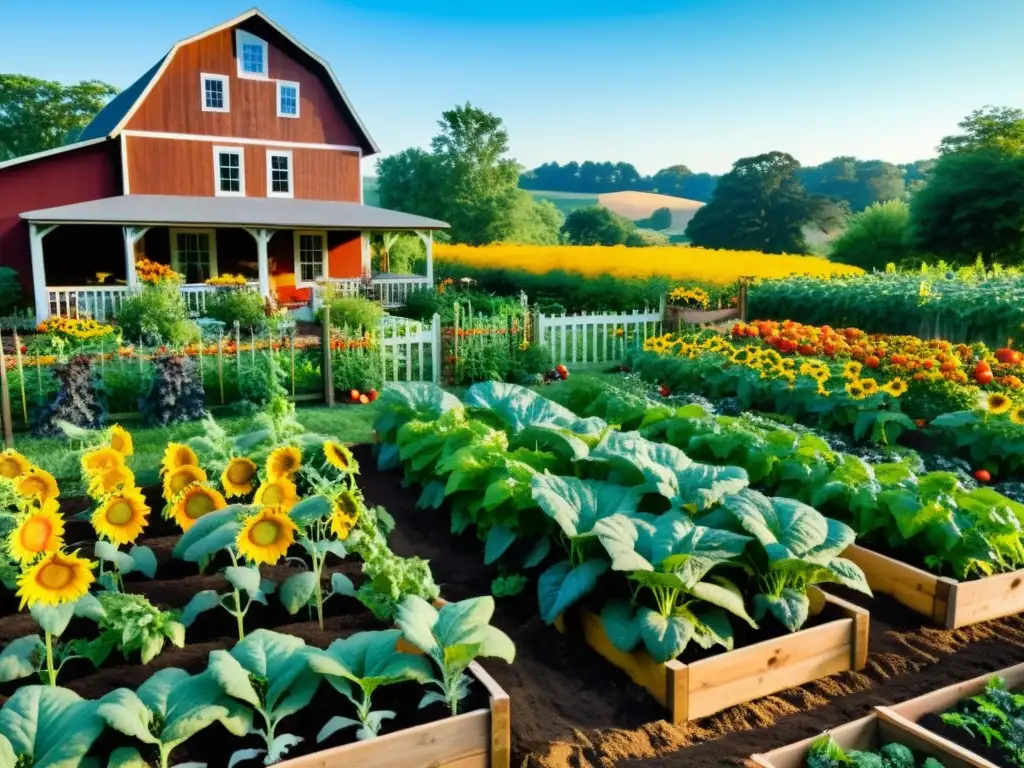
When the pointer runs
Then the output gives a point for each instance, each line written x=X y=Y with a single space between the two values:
x=176 y=393
x=76 y=402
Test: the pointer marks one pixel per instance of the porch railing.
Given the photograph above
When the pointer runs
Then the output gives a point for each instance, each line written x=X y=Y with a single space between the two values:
x=389 y=290
x=196 y=294
x=96 y=301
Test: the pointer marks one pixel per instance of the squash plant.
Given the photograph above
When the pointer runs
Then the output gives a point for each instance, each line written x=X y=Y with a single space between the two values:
x=45 y=726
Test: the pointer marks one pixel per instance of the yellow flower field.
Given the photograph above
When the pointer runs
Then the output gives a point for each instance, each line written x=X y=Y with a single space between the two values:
x=673 y=261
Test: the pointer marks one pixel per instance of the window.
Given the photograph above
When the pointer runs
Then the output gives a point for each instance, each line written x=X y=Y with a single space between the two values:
x=215 y=93
x=287 y=99
x=194 y=254
x=229 y=171
x=251 y=53
x=279 y=174
x=310 y=256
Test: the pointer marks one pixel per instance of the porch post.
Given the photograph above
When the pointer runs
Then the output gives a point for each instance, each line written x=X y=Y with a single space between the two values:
x=428 y=242
x=132 y=235
x=262 y=237
x=42 y=297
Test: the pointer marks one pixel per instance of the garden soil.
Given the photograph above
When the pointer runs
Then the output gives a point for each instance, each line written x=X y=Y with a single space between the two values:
x=572 y=709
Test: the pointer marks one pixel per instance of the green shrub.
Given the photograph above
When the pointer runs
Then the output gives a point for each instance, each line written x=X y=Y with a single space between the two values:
x=876 y=236
x=10 y=290
x=527 y=363
x=354 y=313
x=356 y=368
x=231 y=306
x=157 y=315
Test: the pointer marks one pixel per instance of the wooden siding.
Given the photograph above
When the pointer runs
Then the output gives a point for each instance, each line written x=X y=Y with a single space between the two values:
x=88 y=173
x=174 y=105
x=344 y=254
x=185 y=167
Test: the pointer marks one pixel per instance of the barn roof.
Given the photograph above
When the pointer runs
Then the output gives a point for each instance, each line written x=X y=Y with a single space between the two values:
x=114 y=116
x=275 y=213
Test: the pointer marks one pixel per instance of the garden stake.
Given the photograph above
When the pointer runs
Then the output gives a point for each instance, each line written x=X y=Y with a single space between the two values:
x=252 y=346
x=238 y=354
x=291 y=345
x=325 y=342
x=39 y=377
x=138 y=354
x=199 y=362
x=220 y=364
x=21 y=377
x=5 y=405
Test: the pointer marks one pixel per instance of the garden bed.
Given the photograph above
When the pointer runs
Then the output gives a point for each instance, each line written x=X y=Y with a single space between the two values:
x=869 y=734
x=416 y=738
x=676 y=317
x=948 y=602
x=835 y=640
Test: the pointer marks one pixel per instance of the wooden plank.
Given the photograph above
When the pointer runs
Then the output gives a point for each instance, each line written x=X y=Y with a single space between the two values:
x=923 y=740
x=944 y=698
x=638 y=664
x=917 y=589
x=989 y=598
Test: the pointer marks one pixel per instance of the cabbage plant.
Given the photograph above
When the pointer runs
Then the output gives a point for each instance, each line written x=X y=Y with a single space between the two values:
x=43 y=726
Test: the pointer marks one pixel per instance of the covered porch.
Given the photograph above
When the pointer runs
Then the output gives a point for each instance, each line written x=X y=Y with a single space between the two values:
x=84 y=255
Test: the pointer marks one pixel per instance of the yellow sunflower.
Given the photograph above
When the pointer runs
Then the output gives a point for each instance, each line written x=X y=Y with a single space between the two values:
x=178 y=455
x=277 y=493
x=57 y=578
x=852 y=370
x=120 y=440
x=345 y=514
x=180 y=478
x=338 y=455
x=109 y=480
x=855 y=390
x=194 y=502
x=38 y=484
x=237 y=478
x=13 y=464
x=896 y=387
x=122 y=516
x=870 y=386
x=101 y=460
x=39 y=530
x=266 y=536
x=996 y=403
x=1017 y=415
x=283 y=462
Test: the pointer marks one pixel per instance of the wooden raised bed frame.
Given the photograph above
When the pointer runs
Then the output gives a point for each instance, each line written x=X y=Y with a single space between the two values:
x=675 y=317
x=912 y=711
x=870 y=733
x=478 y=739
x=949 y=603
x=690 y=691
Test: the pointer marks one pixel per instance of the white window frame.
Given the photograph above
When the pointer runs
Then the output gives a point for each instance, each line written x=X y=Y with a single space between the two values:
x=217 y=152
x=175 y=257
x=299 y=282
x=241 y=39
x=272 y=153
x=225 y=84
x=287 y=83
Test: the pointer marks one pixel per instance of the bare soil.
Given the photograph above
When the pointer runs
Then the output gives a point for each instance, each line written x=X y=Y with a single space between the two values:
x=571 y=709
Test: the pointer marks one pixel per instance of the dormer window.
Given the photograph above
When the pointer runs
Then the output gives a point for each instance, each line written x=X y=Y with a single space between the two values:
x=216 y=97
x=251 y=53
x=287 y=99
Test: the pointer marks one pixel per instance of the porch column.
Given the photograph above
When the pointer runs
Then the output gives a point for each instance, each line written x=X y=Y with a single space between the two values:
x=262 y=237
x=132 y=235
x=428 y=243
x=42 y=297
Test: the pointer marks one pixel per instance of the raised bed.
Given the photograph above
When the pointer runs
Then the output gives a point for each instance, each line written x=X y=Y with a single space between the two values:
x=870 y=733
x=701 y=688
x=948 y=602
x=679 y=316
x=926 y=707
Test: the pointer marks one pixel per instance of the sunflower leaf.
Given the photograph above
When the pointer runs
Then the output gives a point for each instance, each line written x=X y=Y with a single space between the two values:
x=310 y=510
x=297 y=590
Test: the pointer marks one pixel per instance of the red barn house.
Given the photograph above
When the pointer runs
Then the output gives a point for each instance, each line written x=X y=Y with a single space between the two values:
x=237 y=152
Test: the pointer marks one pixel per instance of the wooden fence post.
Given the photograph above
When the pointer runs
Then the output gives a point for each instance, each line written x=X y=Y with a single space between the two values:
x=5 y=397
x=742 y=301
x=238 y=354
x=328 y=362
x=455 y=345
x=291 y=344
x=21 y=377
x=220 y=364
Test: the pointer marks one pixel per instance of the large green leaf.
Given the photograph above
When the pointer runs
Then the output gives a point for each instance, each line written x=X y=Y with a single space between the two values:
x=627 y=539
x=619 y=620
x=459 y=629
x=561 y=586
x=520 y=408
x=665 y=637
x=369 y=660
x=791 y=608
x=722 y=593
x=209 y=534
x=55 y=727
x=17 y=660
x=784 y=527
x=576 y=505
x=689 y=550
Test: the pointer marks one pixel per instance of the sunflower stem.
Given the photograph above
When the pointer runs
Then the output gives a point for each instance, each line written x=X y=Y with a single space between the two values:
x=318 y=566
x=49 y=660
x=239 y=615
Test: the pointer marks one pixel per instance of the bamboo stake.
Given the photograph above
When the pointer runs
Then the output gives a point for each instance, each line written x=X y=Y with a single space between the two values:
x=291 y=345
x=328 y=362
x=39 y=377
x=220 y=364
x=5 y=398
x=238 y=354
x=21 y=377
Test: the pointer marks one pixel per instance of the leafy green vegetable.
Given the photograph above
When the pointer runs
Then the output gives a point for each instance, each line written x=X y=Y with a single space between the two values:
x=131 y=623
x=453 y=637
x=48 y=727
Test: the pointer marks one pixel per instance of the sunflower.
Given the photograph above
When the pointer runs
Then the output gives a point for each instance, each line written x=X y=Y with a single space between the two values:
x=122 y=516
x=855 y=390
x=38 y=484
x=101 y=460
x=283 y=462
x=178 y=455
x=109 y=480
x=180 y=478
x=852 y=370
x=57 y=578
x=1017 y=415
x=345 y=514
x=120 y=440
x=870 y=386
x=742 y=356
x=39 y=530
x=996 y=403
x=13 y=464
x=896 y=387
x=237 y=478
x=277 y=493
x=266 y=536
x=338 y=455
x=195 y=501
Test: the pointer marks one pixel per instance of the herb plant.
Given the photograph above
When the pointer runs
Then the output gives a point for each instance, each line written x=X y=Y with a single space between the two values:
x=826 y=753
x=995 y=717
x=130 y=623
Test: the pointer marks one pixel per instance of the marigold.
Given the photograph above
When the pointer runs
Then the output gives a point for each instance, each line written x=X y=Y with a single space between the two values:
x=57 y=578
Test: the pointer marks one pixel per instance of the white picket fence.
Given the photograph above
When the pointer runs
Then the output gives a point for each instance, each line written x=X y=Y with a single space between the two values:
x=602 y=338
x=411 y=351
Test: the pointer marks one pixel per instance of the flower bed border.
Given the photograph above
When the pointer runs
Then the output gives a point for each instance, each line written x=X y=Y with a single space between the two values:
x=910 y=712
x=869 y=733
x=950 y=603
x=691 y=691
x=676 y=316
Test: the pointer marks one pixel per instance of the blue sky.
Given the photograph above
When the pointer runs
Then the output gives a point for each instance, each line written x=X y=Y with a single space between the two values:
x=700 y=82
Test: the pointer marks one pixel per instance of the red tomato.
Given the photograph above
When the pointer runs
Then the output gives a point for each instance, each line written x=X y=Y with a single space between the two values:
x=364 y=399
x=1006 y=355
x=353 y=395
x=562 y=370
x=871 y=361
x=664 y=391
x=372 y=394
x=983 y=476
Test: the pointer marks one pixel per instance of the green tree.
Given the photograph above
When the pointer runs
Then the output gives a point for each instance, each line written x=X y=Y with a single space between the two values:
x=409 y=182
x=535 y=222
x=660 y=219
x=36 y=115
x=973 y=206
x=988 y=128
x=671 y=180
x=599 y=226
x=759 y=205
x=875 y=237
